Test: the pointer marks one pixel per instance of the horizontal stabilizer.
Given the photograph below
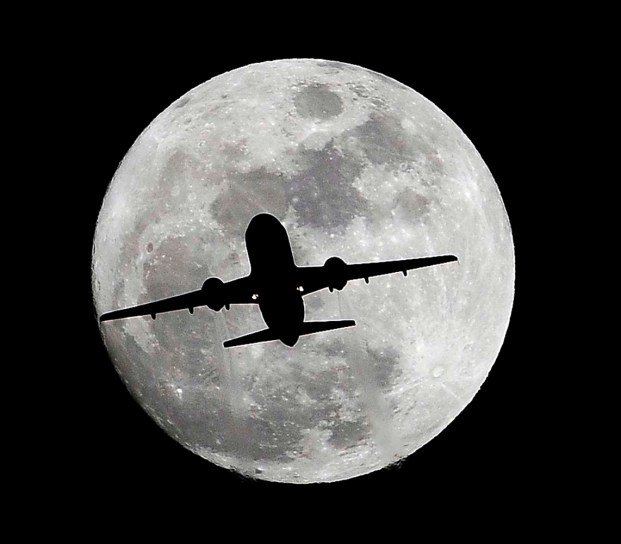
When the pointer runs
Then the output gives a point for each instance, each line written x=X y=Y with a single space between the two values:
x=260 y=336
x=308 y=327
x=311 y=327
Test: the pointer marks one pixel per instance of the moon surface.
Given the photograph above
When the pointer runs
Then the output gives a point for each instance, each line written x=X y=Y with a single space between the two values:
x=355 y=165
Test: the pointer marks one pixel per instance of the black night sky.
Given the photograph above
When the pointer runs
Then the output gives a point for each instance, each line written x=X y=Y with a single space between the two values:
x=498 y=448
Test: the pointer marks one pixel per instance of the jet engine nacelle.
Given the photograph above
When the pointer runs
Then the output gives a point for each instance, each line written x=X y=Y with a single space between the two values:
x=214 y=293
x=335 y=268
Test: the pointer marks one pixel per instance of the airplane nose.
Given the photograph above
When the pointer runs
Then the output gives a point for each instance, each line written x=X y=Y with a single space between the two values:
x=262 y=219
x=260 y=226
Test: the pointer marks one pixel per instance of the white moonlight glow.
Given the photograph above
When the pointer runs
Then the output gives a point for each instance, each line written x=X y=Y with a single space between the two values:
x=355 y=165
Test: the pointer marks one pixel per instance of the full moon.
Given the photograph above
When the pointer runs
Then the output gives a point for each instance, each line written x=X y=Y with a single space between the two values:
x=355 y=165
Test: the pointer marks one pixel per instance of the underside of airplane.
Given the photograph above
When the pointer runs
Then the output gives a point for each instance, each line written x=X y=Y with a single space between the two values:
x=277 y=285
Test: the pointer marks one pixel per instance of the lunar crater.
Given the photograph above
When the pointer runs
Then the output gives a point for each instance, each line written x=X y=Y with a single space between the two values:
x=318 y=101
x=356 y=165
x=182 y=102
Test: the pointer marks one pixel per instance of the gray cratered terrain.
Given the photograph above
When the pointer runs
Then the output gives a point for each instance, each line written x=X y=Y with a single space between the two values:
x=356 y=165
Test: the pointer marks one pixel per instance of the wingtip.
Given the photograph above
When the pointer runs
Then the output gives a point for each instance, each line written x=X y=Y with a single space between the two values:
x=107 y=317
x=443 y=259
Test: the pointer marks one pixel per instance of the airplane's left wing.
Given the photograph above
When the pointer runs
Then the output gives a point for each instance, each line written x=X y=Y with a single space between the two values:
x=187 y=301
x=214 y=294
x=335 y=273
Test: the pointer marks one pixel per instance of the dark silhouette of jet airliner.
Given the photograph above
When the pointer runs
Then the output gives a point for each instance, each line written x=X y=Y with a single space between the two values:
x=277 y=285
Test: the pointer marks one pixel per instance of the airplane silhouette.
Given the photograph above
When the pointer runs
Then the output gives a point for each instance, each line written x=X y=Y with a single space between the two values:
x=277 y=285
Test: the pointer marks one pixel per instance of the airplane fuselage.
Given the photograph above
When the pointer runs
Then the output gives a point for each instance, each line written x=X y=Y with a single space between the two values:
x=277 y=285
x=273 y=271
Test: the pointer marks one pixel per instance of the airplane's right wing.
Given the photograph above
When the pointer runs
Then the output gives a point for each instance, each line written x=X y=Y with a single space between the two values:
x=368 y=270
x=335 y=273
